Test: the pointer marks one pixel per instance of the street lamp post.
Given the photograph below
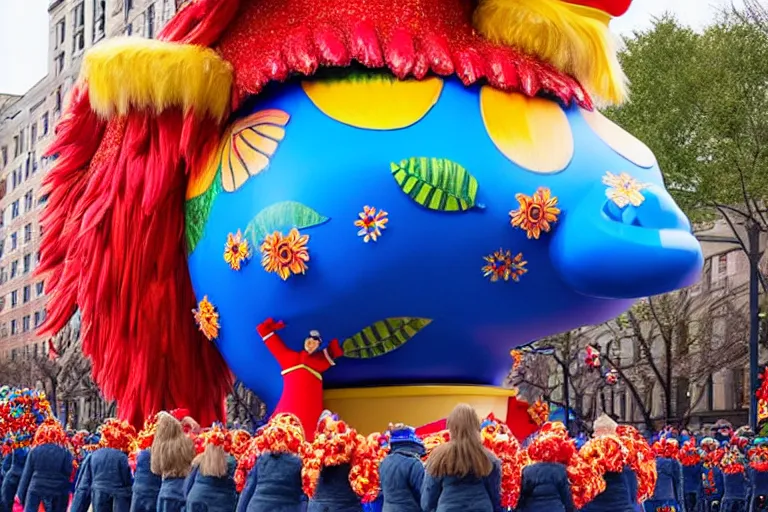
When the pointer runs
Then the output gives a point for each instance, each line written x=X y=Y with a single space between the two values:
x=753 y=253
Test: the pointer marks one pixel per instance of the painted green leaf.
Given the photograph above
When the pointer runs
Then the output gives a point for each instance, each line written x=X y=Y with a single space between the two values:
x=281 y=217
x=197 y=211
x=383 y=337
x=437 y=183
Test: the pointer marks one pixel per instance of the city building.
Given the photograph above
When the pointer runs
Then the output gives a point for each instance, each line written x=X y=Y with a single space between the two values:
x=27 y=124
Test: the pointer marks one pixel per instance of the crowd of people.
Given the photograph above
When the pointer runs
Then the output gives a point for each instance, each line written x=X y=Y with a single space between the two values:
x=174 y=465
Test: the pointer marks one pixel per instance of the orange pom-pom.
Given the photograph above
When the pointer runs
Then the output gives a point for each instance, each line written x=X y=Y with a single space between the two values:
x=117 y=434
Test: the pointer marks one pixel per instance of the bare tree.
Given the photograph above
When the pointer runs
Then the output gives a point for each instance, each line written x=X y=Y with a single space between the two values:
x=244 y=407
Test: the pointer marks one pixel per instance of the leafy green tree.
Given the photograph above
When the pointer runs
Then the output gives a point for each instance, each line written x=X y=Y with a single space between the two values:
x=700 y=101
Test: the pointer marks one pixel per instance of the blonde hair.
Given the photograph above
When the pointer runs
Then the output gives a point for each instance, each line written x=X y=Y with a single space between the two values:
x=464 y=454
x=604 y=426
x=212 y=462
x=172 y=450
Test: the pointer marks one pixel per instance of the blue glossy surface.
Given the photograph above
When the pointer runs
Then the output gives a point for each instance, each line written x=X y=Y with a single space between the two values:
x=427 y=264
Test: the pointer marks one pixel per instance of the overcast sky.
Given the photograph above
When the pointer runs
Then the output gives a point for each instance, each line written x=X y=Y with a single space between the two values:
x=24 y=33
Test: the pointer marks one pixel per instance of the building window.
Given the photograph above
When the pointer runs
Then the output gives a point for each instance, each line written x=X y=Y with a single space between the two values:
x=25 y=324
x=78 y=38
x=14 y=268
x=57 y=97
x=3 y=275
x=39 y=288
x=42 y=199
x=44 y=121
x=37 y=257
x=99 y=19
x=32 y=135
x=14 y=298
x=29 y=201
x=61 y=29
x=14 y=330
x=722 y=264
x=169 y=6
x=21 y=141
x=26 y=294
x=14 y=209
x=37 y=322
x=4 y=155
x=129 y=29
x=27 y=263
x=127 y=6
x=14 y=241
x=27 y=232
x=150 y=19
x=58 y=63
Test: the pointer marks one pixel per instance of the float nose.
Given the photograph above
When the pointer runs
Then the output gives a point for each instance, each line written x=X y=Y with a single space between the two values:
x=605 y=251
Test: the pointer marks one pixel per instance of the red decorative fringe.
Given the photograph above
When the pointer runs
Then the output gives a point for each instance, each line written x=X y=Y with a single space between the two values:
x=272 y=39
x=113 y=245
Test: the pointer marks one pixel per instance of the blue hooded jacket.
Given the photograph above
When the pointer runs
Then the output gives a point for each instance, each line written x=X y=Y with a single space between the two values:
x=46 y=478
x=211 y=493
x=692 y=479
x=544 y=486
x=334 y=493
x=736 y=487
x=146 y=484
x=759 y=486
x=104 y=483
x=463 y=494
x=274 y=484
x=402 y=474
x=669 y=484
x=12 y=478
x=616 y=496
x=632 y=484
x=172 y=495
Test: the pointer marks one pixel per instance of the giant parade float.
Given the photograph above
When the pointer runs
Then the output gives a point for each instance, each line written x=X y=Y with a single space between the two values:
x=359 y=205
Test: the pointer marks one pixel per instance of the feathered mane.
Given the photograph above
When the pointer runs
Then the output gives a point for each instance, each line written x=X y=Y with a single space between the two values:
x=113 y=239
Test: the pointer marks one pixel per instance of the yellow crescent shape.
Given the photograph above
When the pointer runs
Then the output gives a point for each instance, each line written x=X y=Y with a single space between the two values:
x=619 y=140
x=374 y=103
x=532 y=132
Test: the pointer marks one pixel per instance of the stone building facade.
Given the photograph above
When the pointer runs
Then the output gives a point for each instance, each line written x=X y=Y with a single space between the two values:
x=26 y=128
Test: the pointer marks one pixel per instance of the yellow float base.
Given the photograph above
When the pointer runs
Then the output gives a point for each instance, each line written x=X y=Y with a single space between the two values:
x=372 y=409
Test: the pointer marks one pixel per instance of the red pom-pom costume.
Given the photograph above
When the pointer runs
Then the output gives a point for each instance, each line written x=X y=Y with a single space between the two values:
x=302 y=375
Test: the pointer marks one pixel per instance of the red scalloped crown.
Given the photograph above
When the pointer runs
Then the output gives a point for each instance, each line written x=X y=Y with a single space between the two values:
x=272 y=39
x=613 y=7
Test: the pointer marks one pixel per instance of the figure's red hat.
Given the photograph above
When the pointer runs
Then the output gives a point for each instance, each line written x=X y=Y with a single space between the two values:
x=613 y=7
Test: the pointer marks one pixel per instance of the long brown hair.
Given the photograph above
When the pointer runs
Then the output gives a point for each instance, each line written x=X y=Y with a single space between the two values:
x=172 y=450
x=212 y=462
x=464 y=454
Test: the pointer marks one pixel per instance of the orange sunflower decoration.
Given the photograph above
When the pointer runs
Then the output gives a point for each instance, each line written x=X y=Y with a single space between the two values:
x=536 y=214
x=207 y=318
x=539 y=412
x=285 y=255
x=502 y=266
x=236 y=250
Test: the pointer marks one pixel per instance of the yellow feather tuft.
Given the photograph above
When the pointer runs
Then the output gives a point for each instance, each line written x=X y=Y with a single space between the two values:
x=575 y=39
x=132 y=73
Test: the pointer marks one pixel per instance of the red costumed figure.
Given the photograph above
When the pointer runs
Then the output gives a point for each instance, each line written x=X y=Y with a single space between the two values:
x=302 y=373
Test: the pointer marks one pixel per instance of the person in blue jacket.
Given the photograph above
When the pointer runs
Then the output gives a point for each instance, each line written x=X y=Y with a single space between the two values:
x=210 y=487
x=16 y=461
x=274 y=483
x=692 y=460
x=402 y=472
x=105 y=481
x=47 y=471
x=712 y=478
x=544 y=483
x=617 y=494
x=336 y=449
x=172 y=455
x=146 y=484
x=736 y=483
x=758 y=475
x=461 y=475
x=668 y=493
